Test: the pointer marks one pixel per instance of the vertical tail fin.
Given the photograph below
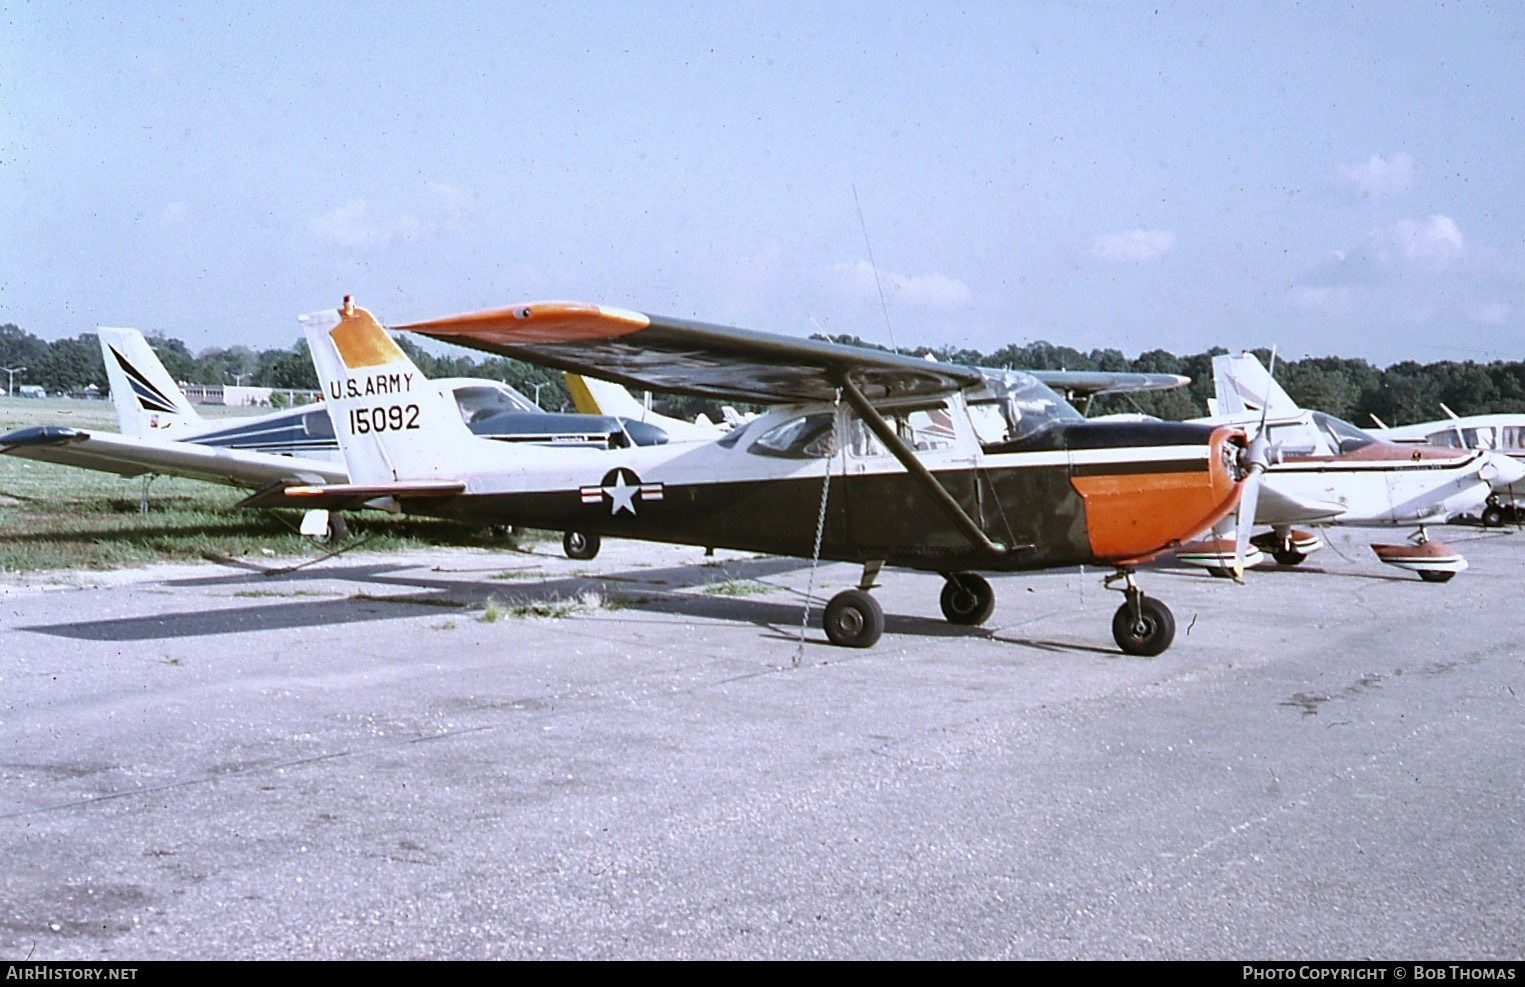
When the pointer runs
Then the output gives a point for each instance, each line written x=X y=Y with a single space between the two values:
x=1243 y=386
x=392 y=425
x=147 y=399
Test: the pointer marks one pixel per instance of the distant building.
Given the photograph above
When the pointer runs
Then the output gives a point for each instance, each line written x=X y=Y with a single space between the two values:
x=244 y=397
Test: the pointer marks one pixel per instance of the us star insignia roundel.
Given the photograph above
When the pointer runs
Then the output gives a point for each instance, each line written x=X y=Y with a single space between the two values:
x=623 y=490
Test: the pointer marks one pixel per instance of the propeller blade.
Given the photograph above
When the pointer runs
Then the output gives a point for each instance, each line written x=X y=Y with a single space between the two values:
x=1256 y=458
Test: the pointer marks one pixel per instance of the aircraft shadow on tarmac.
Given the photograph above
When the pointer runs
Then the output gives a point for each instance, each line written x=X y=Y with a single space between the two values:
x=665 y=591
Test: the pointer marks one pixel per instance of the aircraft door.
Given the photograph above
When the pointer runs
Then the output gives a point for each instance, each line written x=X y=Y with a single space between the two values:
x=886 y=506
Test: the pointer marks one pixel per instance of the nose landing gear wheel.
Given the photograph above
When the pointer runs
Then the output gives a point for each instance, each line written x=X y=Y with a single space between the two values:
x=579 y=546
x=1147 y=635
x=853 y=619
x=967 y=599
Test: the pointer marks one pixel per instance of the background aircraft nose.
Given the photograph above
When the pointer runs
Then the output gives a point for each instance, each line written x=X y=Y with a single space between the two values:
x=1503 y=471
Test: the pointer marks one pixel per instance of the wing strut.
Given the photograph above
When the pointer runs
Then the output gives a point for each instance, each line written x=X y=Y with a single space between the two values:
x=907 y=456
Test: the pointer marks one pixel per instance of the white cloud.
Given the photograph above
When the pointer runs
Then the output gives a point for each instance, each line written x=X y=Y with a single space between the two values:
x=1378 y=177
x=1132 y=247
x=928 y=290
x=356 y=224
x=1436 y=241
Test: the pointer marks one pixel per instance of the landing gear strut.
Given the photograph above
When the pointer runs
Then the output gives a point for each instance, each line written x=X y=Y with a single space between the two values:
x=1142 y=625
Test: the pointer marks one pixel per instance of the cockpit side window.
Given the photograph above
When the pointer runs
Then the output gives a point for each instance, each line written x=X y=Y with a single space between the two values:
x=480 y=402
x=805 y=437
x=1342 y=435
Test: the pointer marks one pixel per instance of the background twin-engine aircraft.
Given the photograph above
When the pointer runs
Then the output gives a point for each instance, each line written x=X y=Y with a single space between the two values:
x=1325 y=471
x=161 y=434
x=863 y=456
x=1501 y=434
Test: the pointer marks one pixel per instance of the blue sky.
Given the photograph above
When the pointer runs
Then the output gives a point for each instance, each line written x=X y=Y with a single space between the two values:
x=1331 y=179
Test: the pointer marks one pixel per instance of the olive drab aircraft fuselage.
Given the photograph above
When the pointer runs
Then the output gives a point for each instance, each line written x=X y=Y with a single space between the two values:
x=920 y=465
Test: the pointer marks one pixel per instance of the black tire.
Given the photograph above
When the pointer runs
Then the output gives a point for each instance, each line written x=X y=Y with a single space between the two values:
x=1221 y=572
x=1435 y=576
x=853 y=619
x=1288 y=556
x=1493 y=516
x=967 y=599
x=579 y=546
x=1155 y=631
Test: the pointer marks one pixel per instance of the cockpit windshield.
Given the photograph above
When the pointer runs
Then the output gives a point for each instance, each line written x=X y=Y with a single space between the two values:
x=1342 y=436
x=478 y=402
x=1016 y=406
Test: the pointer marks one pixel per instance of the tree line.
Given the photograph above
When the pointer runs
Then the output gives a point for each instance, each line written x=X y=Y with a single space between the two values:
x=69 y=366
x=1348 y=388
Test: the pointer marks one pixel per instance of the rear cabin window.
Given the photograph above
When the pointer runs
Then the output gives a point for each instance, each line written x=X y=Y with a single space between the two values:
x=924 y=430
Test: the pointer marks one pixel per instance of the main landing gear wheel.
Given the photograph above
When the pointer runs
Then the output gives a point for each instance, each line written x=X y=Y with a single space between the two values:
x=967 y=599
x=854 y=619
x=1147 y=635
x=1435 y=576
x=579 y=546
x=1493 y=516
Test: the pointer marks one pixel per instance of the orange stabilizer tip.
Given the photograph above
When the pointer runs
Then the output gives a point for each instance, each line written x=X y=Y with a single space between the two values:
x=361 y=341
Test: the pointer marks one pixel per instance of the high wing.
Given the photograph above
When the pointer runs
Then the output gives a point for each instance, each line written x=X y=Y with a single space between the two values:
x=109 y=452
x=696 y=358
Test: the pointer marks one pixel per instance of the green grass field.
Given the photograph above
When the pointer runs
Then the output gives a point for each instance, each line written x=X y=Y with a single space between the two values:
x=58 y=517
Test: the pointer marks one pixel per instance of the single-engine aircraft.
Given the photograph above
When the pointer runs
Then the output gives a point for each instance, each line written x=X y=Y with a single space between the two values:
x=1325 y=471
x=864 y=457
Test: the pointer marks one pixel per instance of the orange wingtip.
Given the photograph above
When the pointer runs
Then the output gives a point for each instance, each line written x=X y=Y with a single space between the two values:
x=361 y=341
x=537 y=322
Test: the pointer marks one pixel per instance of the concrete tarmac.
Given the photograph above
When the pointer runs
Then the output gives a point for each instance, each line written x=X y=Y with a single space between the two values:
x=393 y=756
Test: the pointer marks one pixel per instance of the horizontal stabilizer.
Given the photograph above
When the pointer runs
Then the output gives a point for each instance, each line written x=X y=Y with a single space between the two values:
x=341 y=495
x=125 y=455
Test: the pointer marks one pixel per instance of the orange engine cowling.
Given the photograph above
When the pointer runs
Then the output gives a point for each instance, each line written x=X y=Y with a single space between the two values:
x=1158 y=496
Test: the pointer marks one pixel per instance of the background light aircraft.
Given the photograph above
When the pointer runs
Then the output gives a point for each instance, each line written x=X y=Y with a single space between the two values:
x=865 y=457
x=1328 y=472
x=1502 y=434
x=163 y=435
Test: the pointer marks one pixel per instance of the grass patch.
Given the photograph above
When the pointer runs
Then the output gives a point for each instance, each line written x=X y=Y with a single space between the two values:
x=736 y=587
x=534 y=572
x=414 y=599
x=554 y=608
x=60 y=517
x=623 y=601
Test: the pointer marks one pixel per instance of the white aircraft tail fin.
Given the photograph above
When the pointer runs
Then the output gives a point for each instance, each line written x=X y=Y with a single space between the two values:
x=147 y=399
x=392 y=425
x=1243 y=386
